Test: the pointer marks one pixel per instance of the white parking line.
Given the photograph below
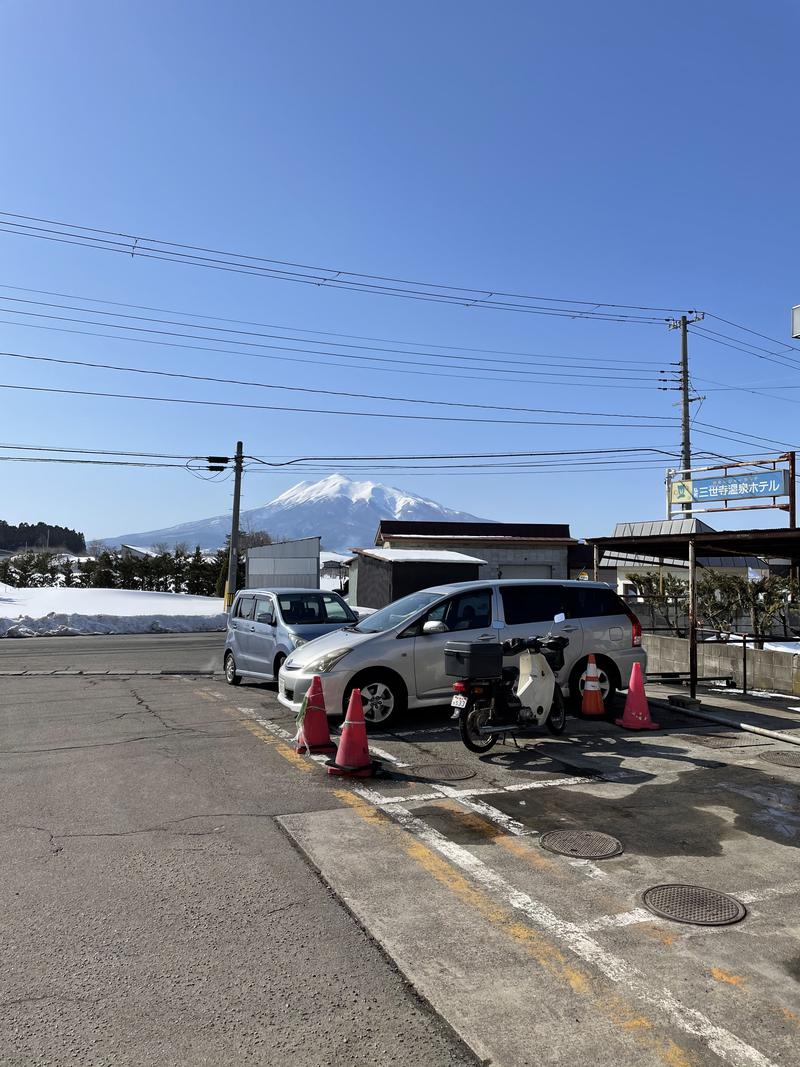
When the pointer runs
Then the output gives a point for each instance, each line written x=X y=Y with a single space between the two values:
x=641 y=915
x=725 y=1044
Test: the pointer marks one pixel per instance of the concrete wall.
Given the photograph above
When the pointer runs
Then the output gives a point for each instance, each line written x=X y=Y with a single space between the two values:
x=775 y=672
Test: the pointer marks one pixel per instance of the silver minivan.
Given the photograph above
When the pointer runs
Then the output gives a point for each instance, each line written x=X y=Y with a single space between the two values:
x=267 y=625
x=396 y=656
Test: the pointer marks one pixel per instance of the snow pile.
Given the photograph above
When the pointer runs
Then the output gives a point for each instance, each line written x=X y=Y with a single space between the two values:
x=59 y=612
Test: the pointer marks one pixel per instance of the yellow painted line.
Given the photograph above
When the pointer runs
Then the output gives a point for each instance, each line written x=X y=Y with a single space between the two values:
x=628 y=1019
x=279 y=746
x=729 y=979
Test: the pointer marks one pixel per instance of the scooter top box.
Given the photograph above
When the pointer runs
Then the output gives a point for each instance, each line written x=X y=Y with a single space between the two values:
x=473 y=659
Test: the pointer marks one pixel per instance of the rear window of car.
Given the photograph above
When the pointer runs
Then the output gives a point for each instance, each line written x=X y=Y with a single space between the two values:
x=308 y=609
x=591 y=602
x=532 y=603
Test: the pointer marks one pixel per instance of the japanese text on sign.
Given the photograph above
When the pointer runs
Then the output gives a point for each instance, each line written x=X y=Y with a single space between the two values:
x=731 y=487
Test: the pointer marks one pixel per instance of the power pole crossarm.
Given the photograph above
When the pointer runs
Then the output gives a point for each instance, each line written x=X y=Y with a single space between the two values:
x=233 y=554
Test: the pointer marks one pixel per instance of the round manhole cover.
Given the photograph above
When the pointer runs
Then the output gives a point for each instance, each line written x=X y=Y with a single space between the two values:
x=693 y=904
x=443 y=772
x=584 y=844
x=783 y=759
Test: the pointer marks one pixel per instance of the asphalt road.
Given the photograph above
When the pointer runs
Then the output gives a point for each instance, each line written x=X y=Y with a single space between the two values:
x=180 y=887
x=154 y=912
x=173 y=652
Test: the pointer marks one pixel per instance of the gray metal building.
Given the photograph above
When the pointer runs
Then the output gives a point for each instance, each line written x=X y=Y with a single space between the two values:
x=284 y=565
x=510 y=549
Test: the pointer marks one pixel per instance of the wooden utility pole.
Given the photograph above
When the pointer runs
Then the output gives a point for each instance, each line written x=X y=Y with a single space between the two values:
x=233 y=552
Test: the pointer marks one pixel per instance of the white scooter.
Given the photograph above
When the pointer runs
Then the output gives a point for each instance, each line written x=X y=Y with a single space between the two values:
x=492 y=701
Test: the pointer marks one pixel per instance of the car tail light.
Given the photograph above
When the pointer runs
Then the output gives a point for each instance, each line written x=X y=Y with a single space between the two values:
x=636 y=626
x=460 y=687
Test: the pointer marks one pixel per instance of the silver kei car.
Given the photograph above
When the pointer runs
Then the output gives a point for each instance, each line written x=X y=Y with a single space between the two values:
x=266 y=625
x=395 y=657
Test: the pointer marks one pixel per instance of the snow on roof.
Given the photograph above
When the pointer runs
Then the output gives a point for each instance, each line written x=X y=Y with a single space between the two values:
x=138 y=548
x=333 y=557
x=417 y=555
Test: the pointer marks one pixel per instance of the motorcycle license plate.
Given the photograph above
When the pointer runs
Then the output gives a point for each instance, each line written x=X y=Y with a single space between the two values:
x=458 y=701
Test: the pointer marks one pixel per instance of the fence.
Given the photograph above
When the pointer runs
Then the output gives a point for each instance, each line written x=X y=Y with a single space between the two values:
x=749 y=668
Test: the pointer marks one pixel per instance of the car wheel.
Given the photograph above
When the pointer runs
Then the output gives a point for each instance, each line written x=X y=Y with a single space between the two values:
x=608 y=683
x=280 y=659
x=231 y=677
x=383 y=697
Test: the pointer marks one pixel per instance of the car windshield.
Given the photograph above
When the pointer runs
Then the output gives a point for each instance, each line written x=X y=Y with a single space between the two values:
x=313 y=609
x=397 y=612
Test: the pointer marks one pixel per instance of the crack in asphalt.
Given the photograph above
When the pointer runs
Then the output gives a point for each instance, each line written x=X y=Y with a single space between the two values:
x=54 y=848
x=164 y=828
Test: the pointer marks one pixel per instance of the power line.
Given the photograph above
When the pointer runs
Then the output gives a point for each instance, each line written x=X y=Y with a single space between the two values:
x=338 y=278
x=287 y=348
x=745 y=346
x=746 y=329
x=318 y=411
x=327 y=333
x=323 y=392
x=97 y=451
x=87 y=462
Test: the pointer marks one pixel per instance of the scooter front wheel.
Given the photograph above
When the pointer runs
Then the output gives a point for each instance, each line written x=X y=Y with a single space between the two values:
x=556 y=721
x=469 y=723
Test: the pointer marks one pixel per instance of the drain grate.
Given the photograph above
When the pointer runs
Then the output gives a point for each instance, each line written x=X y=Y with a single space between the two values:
x=783 y=759
x=693 y=904
x=443 y=772
x=725 y=740
x=583 y=844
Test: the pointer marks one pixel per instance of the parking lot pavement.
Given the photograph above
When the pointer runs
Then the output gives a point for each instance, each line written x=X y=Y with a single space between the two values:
x=535 y=957
x=174 y=823
x=153 y=910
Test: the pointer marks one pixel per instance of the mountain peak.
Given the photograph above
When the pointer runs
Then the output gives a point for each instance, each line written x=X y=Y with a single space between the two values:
x=342 y=511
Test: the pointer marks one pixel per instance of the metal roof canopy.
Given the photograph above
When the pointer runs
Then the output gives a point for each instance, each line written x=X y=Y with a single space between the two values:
x=784 y=544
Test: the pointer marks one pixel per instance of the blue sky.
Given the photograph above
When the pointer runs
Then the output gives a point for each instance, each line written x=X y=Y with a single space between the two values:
x=628 y=153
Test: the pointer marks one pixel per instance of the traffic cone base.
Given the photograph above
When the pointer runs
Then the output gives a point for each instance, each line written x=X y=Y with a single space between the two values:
x=592 y=700
x=352 y=759
x=314 y=735
x=637 y=712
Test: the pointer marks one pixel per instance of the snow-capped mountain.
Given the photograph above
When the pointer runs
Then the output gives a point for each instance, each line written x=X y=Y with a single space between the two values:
x=345 y=513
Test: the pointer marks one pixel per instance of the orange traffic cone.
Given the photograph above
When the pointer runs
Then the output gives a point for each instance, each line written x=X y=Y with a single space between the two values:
x=637 y=713
x=352 y=758
x=592 y=703
x=313 y=734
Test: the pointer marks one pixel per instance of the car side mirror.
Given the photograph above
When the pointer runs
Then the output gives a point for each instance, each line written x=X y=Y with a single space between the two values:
x=266 y=619
x=433 y=626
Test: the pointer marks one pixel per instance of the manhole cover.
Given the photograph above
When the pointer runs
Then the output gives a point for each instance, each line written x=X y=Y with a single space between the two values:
x=585 y=844
x=693 y=904
x=724 y=740
x=783 y=759
x=443 y=772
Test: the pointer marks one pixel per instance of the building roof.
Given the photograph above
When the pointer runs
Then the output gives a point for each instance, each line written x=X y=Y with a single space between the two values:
x=781 y=543
x=416 y=555
x=488 y=531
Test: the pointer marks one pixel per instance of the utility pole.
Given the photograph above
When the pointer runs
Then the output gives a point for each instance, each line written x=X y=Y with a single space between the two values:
x=686 y=440
x=684 y=384
x=233 y=555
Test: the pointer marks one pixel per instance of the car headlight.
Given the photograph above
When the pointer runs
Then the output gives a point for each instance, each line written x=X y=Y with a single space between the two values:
x=327 y=661
x=298 y=641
